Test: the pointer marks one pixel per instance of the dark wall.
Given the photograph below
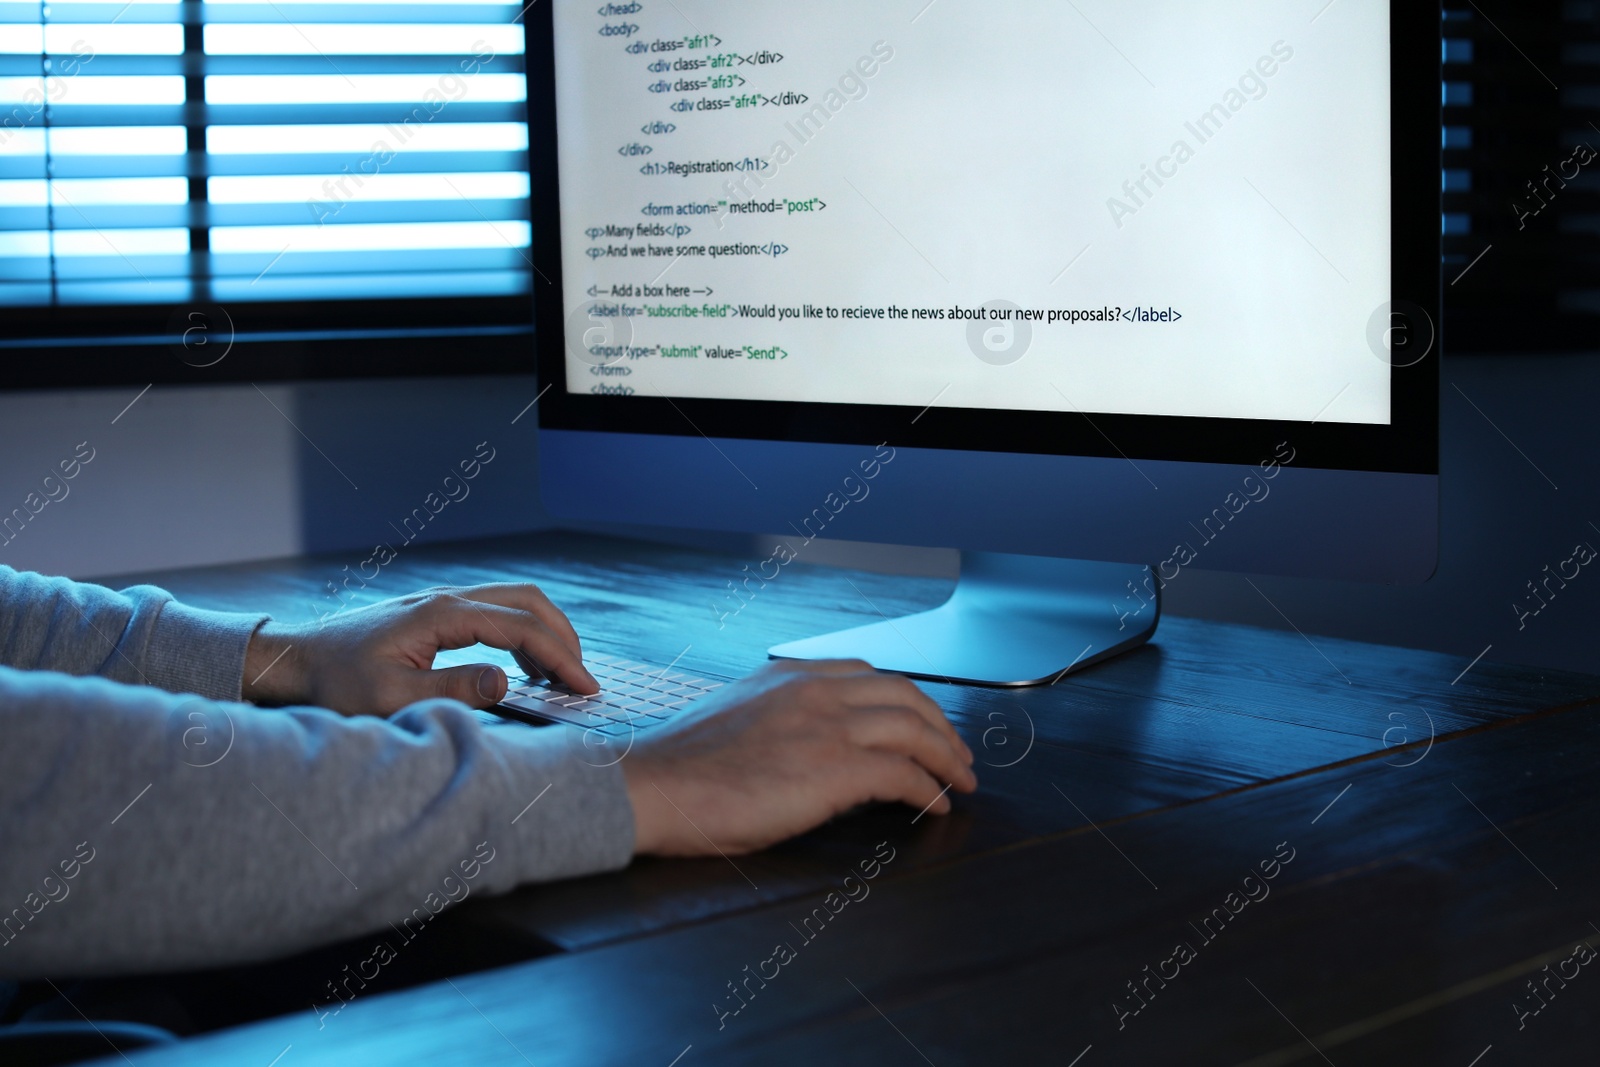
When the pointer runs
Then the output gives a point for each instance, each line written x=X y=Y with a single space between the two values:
x=1520 y=487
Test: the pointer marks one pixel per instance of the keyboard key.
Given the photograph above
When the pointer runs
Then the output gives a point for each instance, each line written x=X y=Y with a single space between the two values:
x=656 y=711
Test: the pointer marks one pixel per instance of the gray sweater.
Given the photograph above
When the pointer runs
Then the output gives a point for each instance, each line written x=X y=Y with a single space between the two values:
x=143 y=829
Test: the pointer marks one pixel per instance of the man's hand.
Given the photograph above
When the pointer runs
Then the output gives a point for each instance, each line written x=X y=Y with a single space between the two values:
x=785 y=750
x=378 y=659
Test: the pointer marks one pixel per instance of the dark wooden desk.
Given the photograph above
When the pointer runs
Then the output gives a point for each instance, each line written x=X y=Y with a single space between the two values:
x=1440 y=822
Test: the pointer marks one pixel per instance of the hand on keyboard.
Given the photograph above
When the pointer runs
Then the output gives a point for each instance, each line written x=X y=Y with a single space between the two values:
x=785 y=750
x=378 y=659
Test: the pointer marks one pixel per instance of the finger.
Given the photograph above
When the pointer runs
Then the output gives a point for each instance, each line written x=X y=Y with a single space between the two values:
x=895 y=778
x=889 y=690
x=462 y=622
x=534 y=672
x=529 y=598
x=477 y=686
x=906 y=733
x=530 y=668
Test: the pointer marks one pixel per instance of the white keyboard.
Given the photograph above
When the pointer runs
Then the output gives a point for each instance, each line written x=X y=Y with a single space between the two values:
x=633 y=696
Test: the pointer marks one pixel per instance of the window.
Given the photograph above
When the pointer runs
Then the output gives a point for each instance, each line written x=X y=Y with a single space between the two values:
x=300 y=174
x=1521 y=207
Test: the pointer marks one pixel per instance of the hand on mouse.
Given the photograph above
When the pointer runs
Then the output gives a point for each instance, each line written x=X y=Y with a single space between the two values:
x=783 y=751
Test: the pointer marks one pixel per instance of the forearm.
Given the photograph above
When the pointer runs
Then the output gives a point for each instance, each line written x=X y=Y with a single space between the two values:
x=140 y=636
x=223 y=834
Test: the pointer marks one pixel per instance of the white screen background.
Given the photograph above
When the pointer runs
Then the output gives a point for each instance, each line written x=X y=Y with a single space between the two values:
x=975 y=165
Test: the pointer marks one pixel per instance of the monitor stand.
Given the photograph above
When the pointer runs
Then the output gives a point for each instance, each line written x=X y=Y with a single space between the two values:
x=1012 y=621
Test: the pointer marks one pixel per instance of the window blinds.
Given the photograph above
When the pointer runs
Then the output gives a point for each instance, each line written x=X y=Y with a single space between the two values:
x=237 y=151
x=1522 y=175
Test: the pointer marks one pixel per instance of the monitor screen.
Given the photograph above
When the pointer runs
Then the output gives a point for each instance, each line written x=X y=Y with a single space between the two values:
x=1083 y=266
x=1141 y=209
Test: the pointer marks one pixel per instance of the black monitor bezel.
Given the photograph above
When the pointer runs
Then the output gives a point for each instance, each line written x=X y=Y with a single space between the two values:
x=1409 y=444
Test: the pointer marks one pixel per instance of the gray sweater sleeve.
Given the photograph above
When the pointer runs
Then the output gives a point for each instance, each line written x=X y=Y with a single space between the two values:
x=140 y=635
x=147 y=830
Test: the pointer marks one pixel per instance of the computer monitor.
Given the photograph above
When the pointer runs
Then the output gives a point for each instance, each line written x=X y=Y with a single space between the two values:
x=1096 y=293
